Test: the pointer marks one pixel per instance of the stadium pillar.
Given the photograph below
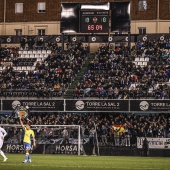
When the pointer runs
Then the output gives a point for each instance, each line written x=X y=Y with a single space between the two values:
x=62 y=41
x=4 y=24
x=129 y=40
x=157 y=19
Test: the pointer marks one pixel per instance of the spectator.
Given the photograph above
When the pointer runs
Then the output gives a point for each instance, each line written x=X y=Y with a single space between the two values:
x=135 y=126
x=104 y=135
x=76 y=93
x=102 y=93
x=65 y=136
x=117 y=136
x=149 y=132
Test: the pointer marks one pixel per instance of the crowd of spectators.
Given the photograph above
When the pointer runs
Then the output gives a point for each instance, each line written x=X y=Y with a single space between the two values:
x=116 y=129
x=112 y=74
x=115 y=74
x=54 y=73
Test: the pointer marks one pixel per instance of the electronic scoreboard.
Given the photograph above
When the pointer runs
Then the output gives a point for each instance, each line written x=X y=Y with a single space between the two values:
x=94 y=21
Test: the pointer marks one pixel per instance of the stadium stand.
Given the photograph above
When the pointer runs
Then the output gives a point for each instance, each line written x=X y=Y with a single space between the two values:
x=114 y=72
x=39 y=72
x=120 y=73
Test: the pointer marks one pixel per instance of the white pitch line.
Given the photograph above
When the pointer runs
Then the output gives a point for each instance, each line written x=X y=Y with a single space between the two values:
x=6 y=164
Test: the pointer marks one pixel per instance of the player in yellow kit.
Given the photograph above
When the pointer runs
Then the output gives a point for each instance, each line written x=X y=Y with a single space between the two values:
x=29 y=134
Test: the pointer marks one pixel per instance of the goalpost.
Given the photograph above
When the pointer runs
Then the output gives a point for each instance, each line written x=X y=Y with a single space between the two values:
x=56 y=139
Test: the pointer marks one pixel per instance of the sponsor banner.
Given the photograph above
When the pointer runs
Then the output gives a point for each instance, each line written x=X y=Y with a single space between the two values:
x=70 y=149
x=14 y=148
x=66 y=149
x=44 y=148
x=97 y=105
x=35 y=105
x=19 y=148
x=90 y=105
x=150 y=105
x=155 y=143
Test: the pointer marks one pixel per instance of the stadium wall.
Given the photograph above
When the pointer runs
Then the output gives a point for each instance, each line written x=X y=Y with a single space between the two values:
x=156 y=18
x=73 y=149
x=30 y=28
x=53 y=28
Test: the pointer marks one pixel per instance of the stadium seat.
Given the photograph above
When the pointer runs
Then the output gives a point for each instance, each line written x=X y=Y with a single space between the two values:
x=20 y=52
x=37 y=55
x=142 y=59
x=24 y=68
x=41 y=55
x=145 y=63
x=30 y=52
x=48 y=51
x=137 y=59
x=34 y=52
x=25 y=52
x=31 y=55
x=39 y=52
x=140 y=63
x=147 y=59
x=43 y=51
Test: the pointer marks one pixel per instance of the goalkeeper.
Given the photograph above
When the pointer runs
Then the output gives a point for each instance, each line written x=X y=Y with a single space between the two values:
x=27 y=140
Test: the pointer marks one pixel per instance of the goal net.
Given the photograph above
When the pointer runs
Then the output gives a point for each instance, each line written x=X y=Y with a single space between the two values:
x=50 y=139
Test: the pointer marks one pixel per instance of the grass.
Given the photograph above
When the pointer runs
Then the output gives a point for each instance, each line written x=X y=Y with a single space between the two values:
x=62 y=162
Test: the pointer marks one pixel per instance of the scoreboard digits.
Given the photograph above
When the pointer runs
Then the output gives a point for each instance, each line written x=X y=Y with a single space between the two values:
x=94 y=22
x=95 y=27
x=103 y=19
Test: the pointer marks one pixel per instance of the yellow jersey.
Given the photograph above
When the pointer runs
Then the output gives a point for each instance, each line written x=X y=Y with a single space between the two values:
x=27 y=136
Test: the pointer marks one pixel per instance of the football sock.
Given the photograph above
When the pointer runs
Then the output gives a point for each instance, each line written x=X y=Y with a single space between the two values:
x=27 y=156
x=2 y=154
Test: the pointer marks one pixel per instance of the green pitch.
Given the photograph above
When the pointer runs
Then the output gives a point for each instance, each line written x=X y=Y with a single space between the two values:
x=62 y=162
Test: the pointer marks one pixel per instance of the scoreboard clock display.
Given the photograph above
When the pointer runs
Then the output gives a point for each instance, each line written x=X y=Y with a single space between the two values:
x=94 y=21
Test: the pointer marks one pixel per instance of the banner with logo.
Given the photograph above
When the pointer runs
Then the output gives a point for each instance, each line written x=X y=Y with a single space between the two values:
x=89 y=105
x=14 y=148
x=34 y=105
x=150 y=105
x=44 y=149
x=155 y=143
x=66 y=149
x=97 y=105
x=19 y=148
